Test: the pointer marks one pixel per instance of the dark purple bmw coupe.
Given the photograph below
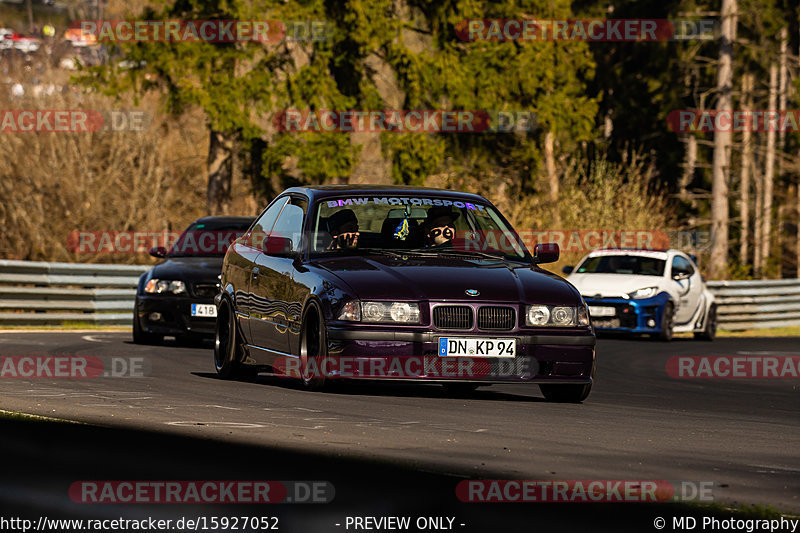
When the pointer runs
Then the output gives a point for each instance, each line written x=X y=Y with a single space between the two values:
x=400 y=283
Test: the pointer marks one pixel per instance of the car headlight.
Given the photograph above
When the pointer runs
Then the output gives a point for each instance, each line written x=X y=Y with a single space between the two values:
x=350 y=311
x=402 y=312
x=647 y=292
x=556 y=315
x=161 y=286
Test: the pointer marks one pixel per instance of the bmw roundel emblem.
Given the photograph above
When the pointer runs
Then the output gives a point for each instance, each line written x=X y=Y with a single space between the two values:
x=472 y=292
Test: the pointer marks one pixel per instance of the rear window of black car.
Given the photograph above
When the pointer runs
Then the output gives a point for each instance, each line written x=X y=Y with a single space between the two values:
x=208 y=238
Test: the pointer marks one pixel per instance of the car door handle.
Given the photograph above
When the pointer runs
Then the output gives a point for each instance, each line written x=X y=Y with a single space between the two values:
x=255 y=273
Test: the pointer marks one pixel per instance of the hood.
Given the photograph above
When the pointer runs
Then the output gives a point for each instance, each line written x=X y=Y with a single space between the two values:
x=438 y=278
x=198 y=269
x=612 y=285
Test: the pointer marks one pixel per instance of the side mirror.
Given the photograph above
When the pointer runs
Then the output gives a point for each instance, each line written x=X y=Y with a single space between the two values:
x=158 y=251
x=568 y=269
x=278 y=246
x=545 y=253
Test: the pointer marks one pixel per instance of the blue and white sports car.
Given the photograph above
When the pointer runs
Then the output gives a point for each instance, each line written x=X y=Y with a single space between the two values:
x=645 y=291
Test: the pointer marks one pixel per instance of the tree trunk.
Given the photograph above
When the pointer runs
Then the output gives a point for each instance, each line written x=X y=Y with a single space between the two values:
x=759 y=221
x=747 y=166
x=689 y=165
x=30 y=17
x=722 y=142
x=220 y=172
x=769 y=170
x=552 y=175
x=783 y=74
x=550 y=166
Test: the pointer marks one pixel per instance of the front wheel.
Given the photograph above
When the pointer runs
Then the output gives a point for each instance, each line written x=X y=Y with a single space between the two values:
x=667 y=323
x=313 y=348
x=139 y=335
x=227 y=346
x=710 y=330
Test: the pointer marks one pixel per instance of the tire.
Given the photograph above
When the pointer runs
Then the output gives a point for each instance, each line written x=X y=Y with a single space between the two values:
x=460 y=389
x=667 y=323
x=568 y=393
x=140 y=336
x=228 y=350
x=709 y=333
x=313 y=347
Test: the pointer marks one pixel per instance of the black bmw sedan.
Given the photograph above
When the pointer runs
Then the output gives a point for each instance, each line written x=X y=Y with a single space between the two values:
x=176 y=296
x=371 y=282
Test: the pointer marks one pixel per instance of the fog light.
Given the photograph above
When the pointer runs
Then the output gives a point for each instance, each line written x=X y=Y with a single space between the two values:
x=651 y=323
x=155 y=317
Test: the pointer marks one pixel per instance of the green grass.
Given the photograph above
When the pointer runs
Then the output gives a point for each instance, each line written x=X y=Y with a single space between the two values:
x=68 y=326
x=15 y=415
x=788 y=331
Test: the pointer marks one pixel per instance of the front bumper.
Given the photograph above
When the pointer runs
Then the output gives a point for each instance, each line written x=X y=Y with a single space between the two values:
x=176 y=316
x=631 y=316
x=412 y=354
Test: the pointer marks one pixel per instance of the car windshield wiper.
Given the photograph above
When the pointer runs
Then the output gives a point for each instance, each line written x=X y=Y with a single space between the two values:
x=364 y=251
x=473 y=253
x=383 y=251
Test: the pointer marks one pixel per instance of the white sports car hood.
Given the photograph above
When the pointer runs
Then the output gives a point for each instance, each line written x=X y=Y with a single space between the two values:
x=612 y=285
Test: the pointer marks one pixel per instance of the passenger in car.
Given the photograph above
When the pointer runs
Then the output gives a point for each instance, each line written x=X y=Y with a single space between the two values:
x=440 y=226
x=344 y=230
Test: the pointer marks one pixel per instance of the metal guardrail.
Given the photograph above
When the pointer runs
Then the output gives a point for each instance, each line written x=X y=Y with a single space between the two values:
x=757 y=304
x=35 y=293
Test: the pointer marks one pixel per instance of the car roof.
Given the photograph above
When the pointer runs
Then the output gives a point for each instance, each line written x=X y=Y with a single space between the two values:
x=316 y=192
x=224 y=219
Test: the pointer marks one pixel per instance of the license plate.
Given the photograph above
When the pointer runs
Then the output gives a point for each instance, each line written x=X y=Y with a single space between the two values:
x=476 y=347
x=204 y=310
x=606 y=323
x=598 y=310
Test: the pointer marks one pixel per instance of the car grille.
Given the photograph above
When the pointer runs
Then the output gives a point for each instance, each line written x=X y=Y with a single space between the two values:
x=625 y=316
x=205 y=290
x=452 y=317
x=496 y=318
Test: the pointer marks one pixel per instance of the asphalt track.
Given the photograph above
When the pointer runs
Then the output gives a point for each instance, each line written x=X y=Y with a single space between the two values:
x=399 y=448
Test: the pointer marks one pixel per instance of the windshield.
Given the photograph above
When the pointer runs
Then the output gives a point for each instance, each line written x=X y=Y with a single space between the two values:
x=356 y=224
x=210 y=238
x=622 y=264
